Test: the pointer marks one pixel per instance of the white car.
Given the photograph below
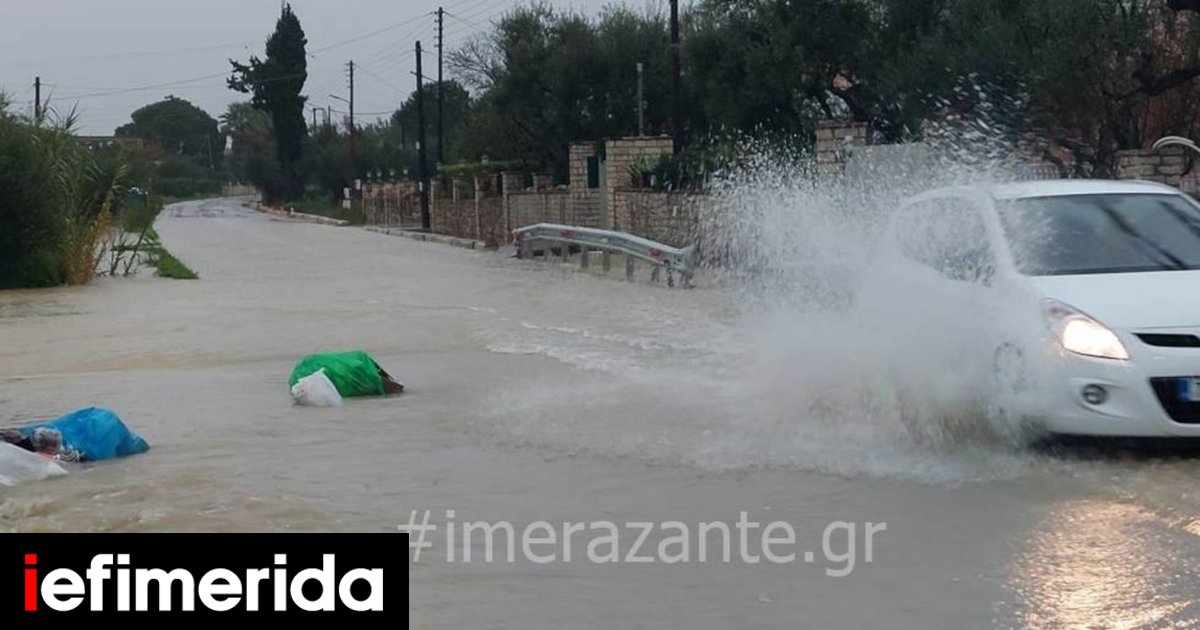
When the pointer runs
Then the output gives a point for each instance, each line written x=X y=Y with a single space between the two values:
x=1084 y=295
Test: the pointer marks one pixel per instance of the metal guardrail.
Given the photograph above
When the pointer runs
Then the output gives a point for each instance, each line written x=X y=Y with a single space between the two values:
x=545 y=236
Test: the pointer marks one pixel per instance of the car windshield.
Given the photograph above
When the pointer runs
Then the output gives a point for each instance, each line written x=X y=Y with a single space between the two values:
x=1102 y=233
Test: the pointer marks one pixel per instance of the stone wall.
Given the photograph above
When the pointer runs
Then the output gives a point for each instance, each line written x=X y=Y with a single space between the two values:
x=240 y=190
x=1165 y=166
x=669 y=218
x=392 y=204
x=470 y=209
x=528 y=208
x=553 y=206
x=489 y=208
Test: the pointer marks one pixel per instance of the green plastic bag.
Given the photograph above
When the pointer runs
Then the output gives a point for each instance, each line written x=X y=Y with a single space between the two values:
x=353 y=373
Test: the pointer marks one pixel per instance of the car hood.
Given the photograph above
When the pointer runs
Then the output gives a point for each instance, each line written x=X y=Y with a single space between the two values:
x=1160 y=299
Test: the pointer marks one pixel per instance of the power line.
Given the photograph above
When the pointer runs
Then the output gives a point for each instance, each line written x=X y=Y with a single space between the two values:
x=471 y=24
x=380 y=78
x=368 y=35
x=394 y=62
x=390 y=59
x=180 y=83
x=477 y=18
x=386 y=112
x=145 y=87
x=387 y=57
x=475 y=7
x=481 y=21
x=474 y=13
x=147 y=53
x=459 y=3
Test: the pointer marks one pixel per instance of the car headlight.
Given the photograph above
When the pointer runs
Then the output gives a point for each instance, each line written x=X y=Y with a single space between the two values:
x=1079 y=333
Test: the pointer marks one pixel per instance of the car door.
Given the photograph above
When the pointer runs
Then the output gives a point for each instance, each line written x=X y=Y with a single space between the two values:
x=948 y=270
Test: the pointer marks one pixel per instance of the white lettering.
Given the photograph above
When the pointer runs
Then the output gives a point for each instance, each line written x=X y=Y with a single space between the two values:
x=60 y=584
x=374 y=601
x=548 y=537
x=323 y=576
x=220 y=590
x=143 y=577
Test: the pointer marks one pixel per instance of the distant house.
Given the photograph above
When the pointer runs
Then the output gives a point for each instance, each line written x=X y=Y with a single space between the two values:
x=101 y=142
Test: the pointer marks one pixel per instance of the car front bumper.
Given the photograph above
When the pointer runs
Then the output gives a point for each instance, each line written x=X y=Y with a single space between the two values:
x=1141 y=393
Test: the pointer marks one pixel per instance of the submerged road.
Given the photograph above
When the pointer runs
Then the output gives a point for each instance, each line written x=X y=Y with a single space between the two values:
x=539 y=393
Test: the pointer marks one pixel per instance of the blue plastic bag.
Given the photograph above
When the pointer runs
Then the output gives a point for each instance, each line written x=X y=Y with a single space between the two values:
x=96 y=433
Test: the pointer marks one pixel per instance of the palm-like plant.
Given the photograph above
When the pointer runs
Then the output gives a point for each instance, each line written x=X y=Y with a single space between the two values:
x=85 y=193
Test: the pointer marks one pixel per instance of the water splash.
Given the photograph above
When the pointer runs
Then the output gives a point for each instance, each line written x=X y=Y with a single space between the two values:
x=807 y=370
x=841 y=322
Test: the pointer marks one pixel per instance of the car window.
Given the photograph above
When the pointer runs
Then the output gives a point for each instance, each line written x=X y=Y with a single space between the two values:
x=1109 y=233
x=948 y=235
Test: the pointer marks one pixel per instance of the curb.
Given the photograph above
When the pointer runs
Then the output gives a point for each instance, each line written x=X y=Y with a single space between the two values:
x=300 y=216
x=441 y=239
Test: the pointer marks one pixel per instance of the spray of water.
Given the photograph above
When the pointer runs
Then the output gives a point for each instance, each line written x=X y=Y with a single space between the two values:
x=830 y=352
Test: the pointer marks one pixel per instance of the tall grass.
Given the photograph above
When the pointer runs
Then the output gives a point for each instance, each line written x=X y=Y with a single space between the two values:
x=57 y=203
x=168 y=266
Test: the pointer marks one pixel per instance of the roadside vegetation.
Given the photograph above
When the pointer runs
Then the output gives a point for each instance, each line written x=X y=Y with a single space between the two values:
x=66 y=215
x=1072 y=81
x=537 y=78
x=168 y=266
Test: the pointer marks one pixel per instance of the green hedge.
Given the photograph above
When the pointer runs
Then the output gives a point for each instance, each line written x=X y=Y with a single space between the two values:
x=184 y=187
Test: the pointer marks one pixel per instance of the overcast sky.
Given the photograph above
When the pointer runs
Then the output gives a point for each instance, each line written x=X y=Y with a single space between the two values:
x=112 y=56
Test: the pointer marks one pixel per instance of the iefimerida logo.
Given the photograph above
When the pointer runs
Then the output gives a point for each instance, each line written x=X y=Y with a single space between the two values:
x=123 y=582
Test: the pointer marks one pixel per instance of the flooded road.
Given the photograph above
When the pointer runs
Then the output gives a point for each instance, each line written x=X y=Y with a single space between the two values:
x=537 y=393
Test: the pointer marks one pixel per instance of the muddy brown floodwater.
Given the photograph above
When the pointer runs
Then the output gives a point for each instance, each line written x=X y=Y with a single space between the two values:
x=538 y=393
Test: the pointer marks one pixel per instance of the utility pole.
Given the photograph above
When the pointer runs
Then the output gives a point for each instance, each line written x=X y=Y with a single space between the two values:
x=37 y=99
x=641 y=102
x=314 y=113
x=423 y=172
x=353 y=171
x=676 y=79
x=441 y=91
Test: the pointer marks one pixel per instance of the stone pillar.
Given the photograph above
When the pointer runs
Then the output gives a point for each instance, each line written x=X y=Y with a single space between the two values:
x=620 y=156
x=1165 y=166
x=436 y=205
x=606 y=198
x=835 y=143
x=477 y=230
x=510 y=182
x=577 y=166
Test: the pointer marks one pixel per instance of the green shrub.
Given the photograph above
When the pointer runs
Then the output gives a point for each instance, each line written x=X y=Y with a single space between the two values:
x=57 y=201
x=30 y=226
x=187 y=187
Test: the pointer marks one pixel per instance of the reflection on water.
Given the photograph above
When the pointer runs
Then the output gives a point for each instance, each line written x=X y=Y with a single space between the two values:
x=1100 y=564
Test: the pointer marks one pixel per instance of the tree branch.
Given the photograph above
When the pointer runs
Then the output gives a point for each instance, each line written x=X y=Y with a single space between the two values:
x=1165 y=83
